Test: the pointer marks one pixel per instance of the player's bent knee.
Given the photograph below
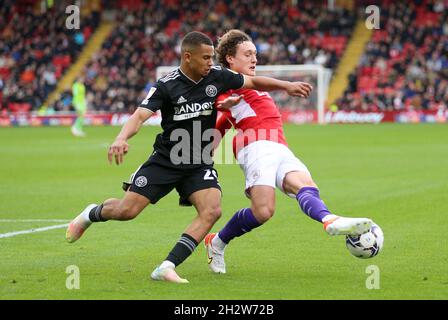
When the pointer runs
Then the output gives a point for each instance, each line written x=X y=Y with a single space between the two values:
x=263 y=214
x=296 y=180
x=307 y=181
x=216 y=213
x=211 y=215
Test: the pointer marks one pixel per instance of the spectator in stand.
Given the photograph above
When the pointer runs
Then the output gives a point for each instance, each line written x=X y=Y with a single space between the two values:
x=48 y=80
x=405 y=63
x=35 y=49
x=148 y=35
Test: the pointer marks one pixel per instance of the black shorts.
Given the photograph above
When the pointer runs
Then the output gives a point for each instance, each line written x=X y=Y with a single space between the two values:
x=154 y=181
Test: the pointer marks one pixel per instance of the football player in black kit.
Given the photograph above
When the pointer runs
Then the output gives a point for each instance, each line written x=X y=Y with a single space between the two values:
x=182 y=155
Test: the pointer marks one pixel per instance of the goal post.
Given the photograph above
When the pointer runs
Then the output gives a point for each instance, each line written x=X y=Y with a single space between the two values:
x=318 y=76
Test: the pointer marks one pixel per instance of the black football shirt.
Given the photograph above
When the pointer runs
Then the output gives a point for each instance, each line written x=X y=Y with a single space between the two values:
x=188 y=114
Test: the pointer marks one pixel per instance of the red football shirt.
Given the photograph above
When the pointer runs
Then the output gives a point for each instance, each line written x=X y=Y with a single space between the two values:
x=256 y=118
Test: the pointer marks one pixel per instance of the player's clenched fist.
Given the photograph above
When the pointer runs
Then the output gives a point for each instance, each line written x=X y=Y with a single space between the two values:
x=117 y=150
x=301 y=89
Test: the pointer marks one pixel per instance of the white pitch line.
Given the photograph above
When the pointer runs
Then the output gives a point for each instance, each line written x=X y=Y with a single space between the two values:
x=34 y=220
x=16 y=233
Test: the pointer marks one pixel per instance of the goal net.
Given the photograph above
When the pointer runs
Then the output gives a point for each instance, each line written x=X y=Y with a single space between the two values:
x=293 y=109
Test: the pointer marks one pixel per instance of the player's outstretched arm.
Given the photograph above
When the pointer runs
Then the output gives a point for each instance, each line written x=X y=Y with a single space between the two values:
x=120 y=146
x=295 y=89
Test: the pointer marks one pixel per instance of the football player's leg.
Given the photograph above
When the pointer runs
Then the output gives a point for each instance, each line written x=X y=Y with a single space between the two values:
x=301 y=184
x=243 y=221
x=208 y=206
x=294 y=179
x=246 y=219
x=111 y=209
x=259 y=165
x=77 y=127
x=262 y=202
x=125 y=209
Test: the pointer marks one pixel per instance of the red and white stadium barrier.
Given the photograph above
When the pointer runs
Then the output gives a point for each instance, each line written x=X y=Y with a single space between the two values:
x=415 y=116
x=296 y=117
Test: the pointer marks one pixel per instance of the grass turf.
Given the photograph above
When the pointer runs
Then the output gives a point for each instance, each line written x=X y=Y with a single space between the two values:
x=395 y=174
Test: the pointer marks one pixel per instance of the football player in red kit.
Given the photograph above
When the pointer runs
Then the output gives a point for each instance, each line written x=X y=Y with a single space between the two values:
x=261 y=150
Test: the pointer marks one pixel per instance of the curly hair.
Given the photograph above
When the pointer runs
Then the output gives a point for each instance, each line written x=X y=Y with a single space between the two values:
x=227 y=45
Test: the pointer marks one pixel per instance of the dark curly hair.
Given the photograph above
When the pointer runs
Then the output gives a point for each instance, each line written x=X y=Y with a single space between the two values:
x=227 y=45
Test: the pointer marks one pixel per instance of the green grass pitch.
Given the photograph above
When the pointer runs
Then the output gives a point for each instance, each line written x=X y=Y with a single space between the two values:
x=395 y=174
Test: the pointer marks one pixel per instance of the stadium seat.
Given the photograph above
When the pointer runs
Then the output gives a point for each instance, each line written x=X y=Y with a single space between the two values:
x=5 y=73
x=401 y=59
x=19 y=107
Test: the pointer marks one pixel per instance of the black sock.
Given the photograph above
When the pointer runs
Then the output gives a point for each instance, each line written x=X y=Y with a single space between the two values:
x=95 y=214
x=182 y=250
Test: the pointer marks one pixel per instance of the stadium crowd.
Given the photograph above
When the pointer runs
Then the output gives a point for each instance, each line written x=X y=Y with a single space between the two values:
x=148 y=35
x=405 y=65
x=35 y=50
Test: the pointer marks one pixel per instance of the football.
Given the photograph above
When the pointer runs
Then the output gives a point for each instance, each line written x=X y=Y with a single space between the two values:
x=366 y=245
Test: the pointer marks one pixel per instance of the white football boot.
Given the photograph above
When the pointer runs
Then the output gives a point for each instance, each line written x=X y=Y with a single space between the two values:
x=347 y=226
x=78 y=225
x=215 y=257
x=167 y=274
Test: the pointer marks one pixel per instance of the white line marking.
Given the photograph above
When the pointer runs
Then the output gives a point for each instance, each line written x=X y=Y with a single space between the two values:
x=16 y=233
x=34 y=220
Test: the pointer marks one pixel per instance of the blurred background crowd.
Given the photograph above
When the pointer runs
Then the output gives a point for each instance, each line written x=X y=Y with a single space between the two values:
x=404 y=65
